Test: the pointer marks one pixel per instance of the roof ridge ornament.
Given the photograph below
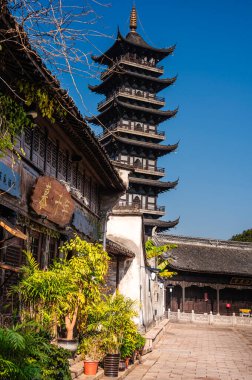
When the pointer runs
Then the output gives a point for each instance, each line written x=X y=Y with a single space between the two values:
x=133 y=19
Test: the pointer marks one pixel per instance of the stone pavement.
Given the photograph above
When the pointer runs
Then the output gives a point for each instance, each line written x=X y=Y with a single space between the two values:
x=190 y=352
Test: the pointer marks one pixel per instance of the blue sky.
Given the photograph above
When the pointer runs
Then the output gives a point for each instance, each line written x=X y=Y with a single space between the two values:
x=213 y=60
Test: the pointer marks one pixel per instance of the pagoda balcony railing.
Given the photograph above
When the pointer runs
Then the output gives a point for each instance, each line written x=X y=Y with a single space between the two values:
x=134 y=128
x=139 y=62
x=126 y=205
x=135 y=94
x=149 y=168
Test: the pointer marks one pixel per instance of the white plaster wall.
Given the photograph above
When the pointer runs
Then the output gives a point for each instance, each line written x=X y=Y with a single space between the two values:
x=128 y=230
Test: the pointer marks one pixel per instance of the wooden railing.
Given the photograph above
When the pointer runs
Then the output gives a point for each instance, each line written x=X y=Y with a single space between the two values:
x=137 y=205
x=129 y=58
x=131 y=128
x=136 y=94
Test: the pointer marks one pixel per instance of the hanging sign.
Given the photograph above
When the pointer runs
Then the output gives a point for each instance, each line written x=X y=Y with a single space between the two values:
x=51 y=199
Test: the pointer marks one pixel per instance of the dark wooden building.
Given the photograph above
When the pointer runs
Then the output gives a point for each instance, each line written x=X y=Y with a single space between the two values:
x=210 y=275
x=130 y=116
x=59 y=180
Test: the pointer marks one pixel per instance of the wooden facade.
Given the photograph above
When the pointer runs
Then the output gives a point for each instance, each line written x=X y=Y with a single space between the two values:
x=58 y=181
x=130 y=116
x=211 y=275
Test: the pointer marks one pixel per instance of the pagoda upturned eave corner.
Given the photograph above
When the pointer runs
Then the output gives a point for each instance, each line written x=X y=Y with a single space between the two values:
x=130 y=116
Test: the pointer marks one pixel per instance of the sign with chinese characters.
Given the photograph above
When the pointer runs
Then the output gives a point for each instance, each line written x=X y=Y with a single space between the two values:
x=9 y=181
x=51 y=199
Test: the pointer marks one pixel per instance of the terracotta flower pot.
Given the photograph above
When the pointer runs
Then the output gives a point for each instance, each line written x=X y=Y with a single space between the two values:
x=90 y=367
x=127 y=362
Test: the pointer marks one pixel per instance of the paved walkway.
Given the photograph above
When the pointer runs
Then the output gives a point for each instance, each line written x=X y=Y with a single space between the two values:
x=191 y=352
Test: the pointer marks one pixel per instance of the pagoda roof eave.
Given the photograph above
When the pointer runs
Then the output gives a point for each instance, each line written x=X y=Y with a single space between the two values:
x=161 y=149
x=161 y=224
x=152 y=111
x=159 y=82
x=154 y=183
x=161 y=115
x=106 y=57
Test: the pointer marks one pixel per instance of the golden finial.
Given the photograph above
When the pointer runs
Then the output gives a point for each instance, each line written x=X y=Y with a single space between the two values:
x=133 y=19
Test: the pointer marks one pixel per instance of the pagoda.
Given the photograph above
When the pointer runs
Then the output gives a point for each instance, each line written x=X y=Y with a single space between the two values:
x=130 y=115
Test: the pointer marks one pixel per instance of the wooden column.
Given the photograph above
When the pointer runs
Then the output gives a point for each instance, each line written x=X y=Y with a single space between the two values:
x=183 y=295
x=218 y=299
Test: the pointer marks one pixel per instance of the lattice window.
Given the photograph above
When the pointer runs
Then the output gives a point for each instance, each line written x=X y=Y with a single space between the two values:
x=27 y=141
x=74 y=176
x=79 y=181
x=62 y=165
x=87 y=190
x=39 y=142
x=53 y=250
x=51 y=159
x=69 y=172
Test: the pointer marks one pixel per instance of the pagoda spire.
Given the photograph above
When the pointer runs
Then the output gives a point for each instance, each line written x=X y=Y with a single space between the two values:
x=133 y=19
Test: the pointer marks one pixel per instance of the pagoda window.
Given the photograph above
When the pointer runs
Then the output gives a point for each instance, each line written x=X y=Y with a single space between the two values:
x=143 y=201
x=123 y=200
x=125 y=122
x=138 y=163
x=151 y=203
x=152 y=128
x=138 y=127
x=124 y=158
x=152 y=61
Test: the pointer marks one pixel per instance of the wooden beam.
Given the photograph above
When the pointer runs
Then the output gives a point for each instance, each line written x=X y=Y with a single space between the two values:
x=9 y=267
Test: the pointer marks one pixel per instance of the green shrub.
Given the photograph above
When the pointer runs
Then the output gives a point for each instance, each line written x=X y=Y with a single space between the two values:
x=27 y=354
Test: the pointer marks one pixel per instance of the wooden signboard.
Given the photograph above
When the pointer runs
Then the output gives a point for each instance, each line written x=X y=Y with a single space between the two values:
x=51 y=199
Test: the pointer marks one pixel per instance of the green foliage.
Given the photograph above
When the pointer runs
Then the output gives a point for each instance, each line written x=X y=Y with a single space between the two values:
x=91 y=347
x=140 y=341
x=64 y=293
x=48 y=106
x=13 y=119
x=132 y=340
x=110 y=319
x=153 y=251
x=244 y=236
x=26 y=354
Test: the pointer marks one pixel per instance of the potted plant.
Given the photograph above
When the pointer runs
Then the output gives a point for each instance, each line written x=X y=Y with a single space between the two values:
x=129 y=342
x=110 y=318
x=139 y=343
x=92 y=350
x=61 y=295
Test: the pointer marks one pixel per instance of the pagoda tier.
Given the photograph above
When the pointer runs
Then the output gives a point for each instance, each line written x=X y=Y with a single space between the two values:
x=120 y=76
x=132 y=43
x=130 y=129
x=130 y=115
x=118 y=109
x=111 y=140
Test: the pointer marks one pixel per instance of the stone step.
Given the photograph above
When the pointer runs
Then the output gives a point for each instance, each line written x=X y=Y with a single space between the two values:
x=98 y=376
x=77 y=369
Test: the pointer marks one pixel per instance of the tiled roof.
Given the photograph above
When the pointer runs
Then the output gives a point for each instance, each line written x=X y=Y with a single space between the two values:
x=208 y=255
